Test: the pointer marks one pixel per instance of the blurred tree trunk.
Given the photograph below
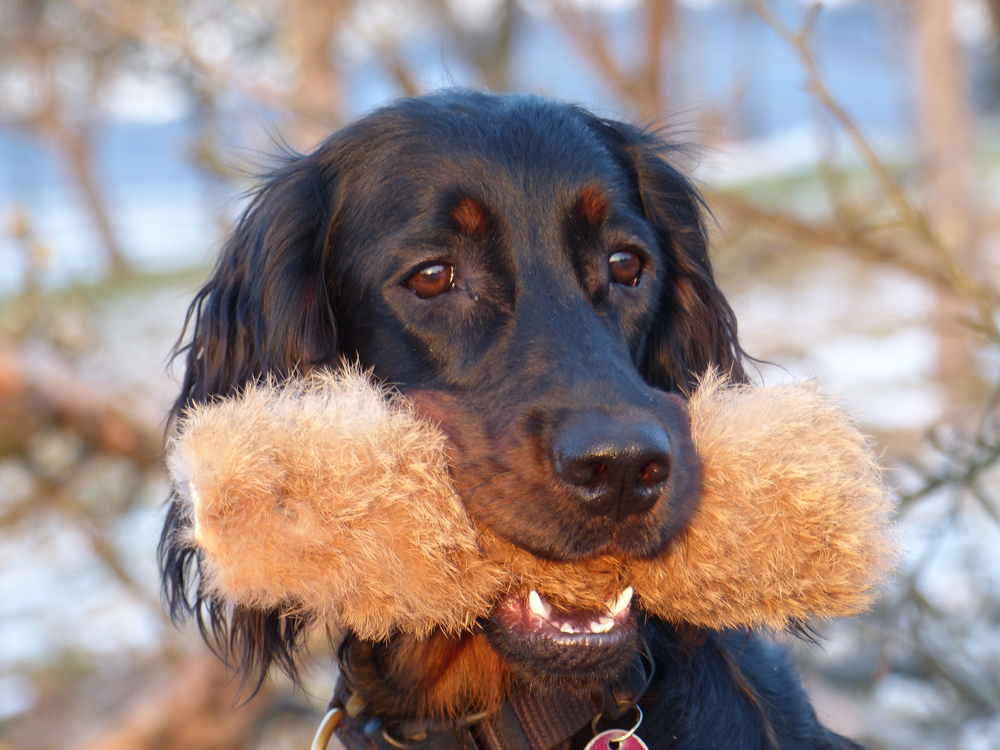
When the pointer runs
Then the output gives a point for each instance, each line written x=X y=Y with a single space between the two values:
x=661 y=60
x=994 y=6
x=316 y=100
x=69 y=135
x=946 y=134
x=491 y=54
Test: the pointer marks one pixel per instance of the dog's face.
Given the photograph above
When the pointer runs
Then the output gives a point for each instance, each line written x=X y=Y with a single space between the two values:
x=536 y=280
x=507 y=279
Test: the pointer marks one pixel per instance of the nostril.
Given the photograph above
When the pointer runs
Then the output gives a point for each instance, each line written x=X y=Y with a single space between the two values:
x=655 y=473
x=581 y=472
x=599 y=475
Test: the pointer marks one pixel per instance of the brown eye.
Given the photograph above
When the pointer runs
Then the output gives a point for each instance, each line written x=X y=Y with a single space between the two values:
x=432 y=280
x=625 y=267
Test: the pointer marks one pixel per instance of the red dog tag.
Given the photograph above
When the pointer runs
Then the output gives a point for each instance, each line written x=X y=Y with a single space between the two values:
x=604 y=740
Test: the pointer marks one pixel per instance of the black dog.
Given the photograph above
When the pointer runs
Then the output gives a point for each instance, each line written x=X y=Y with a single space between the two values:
x=537 y=279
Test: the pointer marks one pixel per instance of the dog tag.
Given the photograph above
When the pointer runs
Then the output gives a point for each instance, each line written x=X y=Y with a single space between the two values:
x=608 y=740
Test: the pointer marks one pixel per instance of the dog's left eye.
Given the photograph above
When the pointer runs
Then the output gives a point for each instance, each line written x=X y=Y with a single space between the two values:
x=625 y=267
x=432 y=280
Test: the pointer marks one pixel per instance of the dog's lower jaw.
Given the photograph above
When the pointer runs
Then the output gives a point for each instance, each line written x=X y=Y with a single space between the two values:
x=582 y=664
x=564 y=648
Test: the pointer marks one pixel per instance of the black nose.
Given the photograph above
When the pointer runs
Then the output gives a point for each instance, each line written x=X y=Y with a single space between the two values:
x=615 y=467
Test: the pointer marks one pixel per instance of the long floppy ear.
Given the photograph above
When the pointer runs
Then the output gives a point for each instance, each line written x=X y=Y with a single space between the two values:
x=695 y=328
x=265 y=311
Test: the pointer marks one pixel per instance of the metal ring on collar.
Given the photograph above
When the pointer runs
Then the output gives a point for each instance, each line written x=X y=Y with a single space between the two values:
x=402 y=744
x=326 y=727
x=629 y=733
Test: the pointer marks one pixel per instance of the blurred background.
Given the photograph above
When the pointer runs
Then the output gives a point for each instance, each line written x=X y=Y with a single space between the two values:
x=850 y=153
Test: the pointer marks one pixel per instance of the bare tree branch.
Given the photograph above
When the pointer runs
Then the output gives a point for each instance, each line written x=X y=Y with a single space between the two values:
x=824 y=235
x=401 y=73
x=123 y=19
x=78 y=151
x=102 y=415
x=961 y=281
x=798 y=42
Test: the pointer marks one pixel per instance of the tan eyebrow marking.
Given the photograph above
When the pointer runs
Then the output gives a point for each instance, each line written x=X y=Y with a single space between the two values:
x=594 y=205
x=470 y=216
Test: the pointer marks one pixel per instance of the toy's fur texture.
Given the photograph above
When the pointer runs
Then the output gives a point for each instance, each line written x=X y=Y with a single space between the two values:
x=793 y=520
x=328 y=497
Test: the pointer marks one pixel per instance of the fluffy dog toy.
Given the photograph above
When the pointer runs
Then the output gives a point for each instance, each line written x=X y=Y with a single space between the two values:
x=327 y=496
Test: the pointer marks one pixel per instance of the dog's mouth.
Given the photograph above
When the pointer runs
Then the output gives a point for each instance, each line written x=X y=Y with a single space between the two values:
x=534 y=617
x=556 y=643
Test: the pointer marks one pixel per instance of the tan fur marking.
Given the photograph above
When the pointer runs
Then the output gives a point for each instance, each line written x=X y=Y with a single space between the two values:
x=435 y=676
x=594 y=205
x=470 y=677
x=470 y=216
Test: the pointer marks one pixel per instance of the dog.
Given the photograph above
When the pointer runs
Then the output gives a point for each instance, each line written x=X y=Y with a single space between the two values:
x=536 y=280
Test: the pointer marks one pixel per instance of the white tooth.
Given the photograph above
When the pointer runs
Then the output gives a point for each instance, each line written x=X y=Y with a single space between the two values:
x=596 y=627
x=606 y=624
x=539 y=606
x=566 y=628
x=623 y=601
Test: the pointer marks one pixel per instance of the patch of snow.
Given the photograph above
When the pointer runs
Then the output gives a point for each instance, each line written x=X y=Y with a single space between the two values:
x=908 y=698
x=18 y=694
x=146 y=97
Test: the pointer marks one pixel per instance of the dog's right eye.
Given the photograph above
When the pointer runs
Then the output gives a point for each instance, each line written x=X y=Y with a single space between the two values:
x=432 y=280
x=625 y=267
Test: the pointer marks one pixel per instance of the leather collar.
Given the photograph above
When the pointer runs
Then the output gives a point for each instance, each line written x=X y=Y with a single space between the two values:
x=528 y=720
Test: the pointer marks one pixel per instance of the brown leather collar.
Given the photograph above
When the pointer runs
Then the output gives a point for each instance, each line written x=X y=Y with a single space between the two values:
x=528 y=720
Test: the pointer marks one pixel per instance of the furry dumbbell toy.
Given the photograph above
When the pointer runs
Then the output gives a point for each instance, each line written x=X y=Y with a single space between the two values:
x=328 y=497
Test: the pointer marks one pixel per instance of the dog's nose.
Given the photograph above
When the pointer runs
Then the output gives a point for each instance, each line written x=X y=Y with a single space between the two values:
x=615 y=468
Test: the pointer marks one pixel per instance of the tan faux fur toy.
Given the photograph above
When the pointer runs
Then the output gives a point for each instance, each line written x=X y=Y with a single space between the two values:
x=329 y=497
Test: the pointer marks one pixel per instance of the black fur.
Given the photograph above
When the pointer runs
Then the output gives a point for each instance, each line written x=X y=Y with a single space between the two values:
x=533 y=339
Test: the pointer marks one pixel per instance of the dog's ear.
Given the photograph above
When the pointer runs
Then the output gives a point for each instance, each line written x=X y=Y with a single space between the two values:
x=265 y=311
x=695 y=328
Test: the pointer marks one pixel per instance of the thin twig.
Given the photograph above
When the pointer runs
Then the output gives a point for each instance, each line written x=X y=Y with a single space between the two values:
x=104 y=549
x=798 y=42
x=960 y=281
x=826 y=235
x=174 y=46
x=592 y=44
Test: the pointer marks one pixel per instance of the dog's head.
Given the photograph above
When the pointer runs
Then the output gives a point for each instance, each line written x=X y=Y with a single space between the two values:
x=535 y=280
